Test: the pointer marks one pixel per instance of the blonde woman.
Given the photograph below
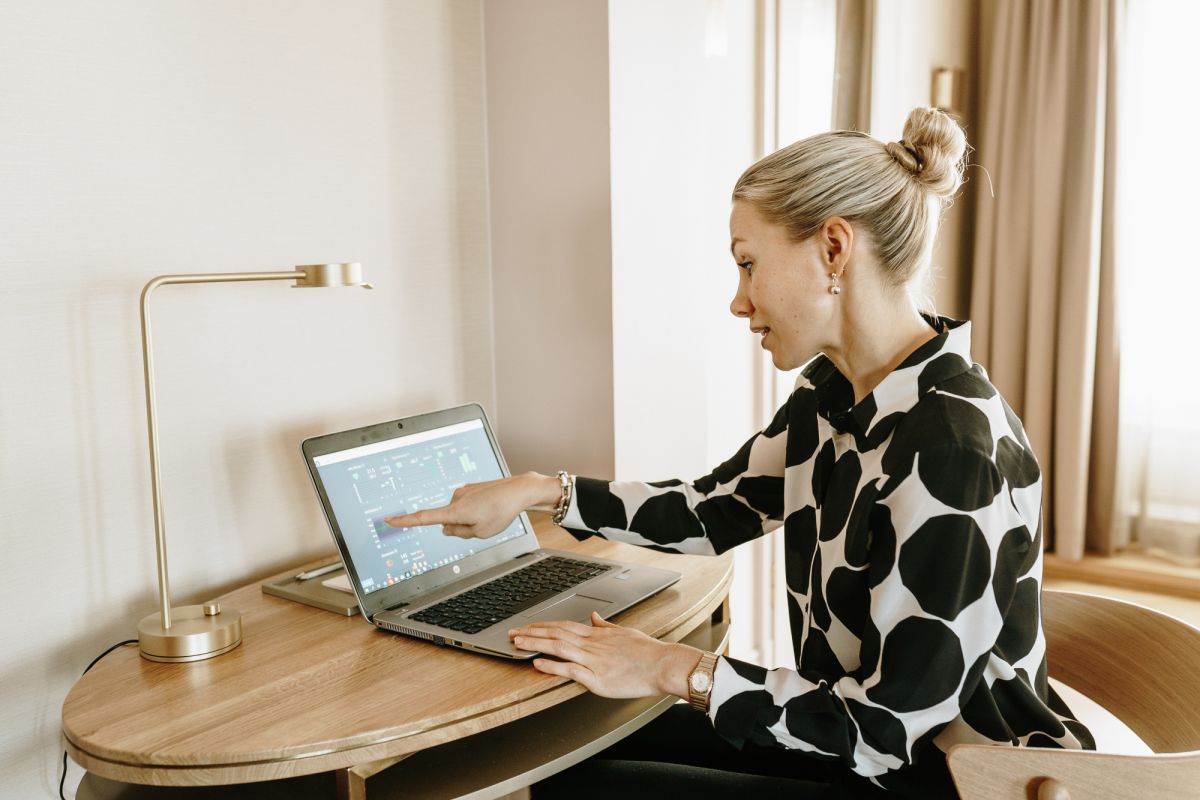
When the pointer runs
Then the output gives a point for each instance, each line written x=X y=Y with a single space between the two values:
x=906 y=487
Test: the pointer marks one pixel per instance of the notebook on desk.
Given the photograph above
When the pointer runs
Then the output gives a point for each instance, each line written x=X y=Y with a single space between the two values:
x=418 y=581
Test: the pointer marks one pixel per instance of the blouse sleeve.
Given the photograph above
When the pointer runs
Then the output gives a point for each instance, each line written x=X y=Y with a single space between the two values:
x=738 y=501
x=941 y=582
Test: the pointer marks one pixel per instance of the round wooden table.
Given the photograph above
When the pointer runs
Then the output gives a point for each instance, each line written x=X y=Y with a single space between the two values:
x=309 y=692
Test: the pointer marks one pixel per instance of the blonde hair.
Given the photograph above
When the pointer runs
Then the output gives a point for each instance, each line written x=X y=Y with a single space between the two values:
x=895 y=192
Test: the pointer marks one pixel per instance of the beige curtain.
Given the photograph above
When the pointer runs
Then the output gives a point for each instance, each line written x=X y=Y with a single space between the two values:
x=852 y=65
x=1042 y=278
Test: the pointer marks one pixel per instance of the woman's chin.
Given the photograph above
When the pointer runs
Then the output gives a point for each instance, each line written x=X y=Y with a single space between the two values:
x=782 y=362
x=787 y=360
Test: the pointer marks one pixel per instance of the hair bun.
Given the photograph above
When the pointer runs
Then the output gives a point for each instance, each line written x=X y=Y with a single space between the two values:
x=905 y=155
x=933 y=149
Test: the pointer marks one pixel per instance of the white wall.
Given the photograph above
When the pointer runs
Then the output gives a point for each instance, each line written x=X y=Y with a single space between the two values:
x=139 y=138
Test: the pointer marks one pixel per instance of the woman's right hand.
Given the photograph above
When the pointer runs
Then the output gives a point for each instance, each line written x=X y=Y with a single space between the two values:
x=480 y=510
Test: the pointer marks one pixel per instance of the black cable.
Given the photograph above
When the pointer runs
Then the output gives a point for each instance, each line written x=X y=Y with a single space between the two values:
x=62 y=781
x=106 y=652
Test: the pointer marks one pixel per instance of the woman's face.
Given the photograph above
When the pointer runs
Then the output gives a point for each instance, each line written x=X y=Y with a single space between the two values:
x=783 y=287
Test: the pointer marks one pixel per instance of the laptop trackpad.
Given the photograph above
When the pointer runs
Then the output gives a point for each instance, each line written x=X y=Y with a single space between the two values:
x=577 y=607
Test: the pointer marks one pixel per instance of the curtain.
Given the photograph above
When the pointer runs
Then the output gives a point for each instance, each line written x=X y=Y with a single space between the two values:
x=1042 y=283
x=1158 y=498
x=852 y=65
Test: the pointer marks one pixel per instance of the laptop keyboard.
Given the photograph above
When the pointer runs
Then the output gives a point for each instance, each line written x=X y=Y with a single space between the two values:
x=494 y=601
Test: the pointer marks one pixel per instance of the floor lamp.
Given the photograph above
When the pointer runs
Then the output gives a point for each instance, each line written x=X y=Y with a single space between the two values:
x=193 y=633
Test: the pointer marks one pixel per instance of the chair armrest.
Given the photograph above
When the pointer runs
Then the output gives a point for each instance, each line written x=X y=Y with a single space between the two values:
x=991 y=772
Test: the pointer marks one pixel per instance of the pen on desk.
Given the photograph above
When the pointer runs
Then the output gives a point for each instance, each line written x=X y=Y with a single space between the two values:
x=319 y=571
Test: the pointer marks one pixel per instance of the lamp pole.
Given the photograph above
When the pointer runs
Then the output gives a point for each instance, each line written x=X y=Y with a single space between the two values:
x=202 y=631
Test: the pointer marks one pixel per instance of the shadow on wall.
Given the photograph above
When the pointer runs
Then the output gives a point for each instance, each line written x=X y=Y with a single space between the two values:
x=104 y=323
x=453 y=135
x=103 y=329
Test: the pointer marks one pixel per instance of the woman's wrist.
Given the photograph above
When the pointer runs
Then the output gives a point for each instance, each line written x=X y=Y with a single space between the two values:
x=541 y=490
x=675 y=666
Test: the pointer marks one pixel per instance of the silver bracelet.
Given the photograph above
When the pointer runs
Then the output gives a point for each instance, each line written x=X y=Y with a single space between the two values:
x=566 y=486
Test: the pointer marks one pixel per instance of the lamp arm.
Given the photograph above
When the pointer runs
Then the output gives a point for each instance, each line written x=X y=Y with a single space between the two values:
x=160 y=533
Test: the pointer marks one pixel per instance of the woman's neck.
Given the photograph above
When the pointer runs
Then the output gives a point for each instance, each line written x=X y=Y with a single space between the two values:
x=875 y=338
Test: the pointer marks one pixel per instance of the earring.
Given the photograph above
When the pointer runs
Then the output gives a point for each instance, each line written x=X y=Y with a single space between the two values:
x=836 y=288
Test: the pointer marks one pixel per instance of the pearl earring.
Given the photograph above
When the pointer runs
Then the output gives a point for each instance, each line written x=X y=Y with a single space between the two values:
x=836 y=288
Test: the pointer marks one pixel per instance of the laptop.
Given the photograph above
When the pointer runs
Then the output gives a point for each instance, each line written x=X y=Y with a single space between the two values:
x=418 y=581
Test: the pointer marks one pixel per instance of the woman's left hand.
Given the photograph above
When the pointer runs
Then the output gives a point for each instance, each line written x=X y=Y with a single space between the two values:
x=609 y=660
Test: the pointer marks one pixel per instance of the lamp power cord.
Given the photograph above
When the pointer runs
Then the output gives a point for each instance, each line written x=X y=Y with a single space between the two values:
x=63 y=780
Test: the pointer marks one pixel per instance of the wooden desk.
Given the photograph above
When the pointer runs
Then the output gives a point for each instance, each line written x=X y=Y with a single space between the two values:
x=309 y=692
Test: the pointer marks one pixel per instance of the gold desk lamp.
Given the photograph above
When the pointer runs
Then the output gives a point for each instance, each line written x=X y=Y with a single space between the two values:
x=193 y=633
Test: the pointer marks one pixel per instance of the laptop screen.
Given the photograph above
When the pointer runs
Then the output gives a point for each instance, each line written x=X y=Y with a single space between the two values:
x=368 y=483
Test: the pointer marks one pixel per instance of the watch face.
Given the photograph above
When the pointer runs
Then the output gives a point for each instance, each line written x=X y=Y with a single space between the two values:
x=701 y=682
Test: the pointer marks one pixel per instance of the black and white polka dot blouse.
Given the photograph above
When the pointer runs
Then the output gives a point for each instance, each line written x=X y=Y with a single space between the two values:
x=912 y=527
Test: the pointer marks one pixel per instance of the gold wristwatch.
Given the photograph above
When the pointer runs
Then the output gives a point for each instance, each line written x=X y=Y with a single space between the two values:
x=700 y=682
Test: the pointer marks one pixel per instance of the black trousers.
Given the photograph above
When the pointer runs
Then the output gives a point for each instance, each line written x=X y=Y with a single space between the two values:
x=679 y=752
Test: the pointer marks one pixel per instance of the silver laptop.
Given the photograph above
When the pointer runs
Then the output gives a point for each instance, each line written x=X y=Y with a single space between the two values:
x=461 y=592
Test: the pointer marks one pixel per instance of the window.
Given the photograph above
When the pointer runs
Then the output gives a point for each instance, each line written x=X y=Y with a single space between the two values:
x=1158 y=268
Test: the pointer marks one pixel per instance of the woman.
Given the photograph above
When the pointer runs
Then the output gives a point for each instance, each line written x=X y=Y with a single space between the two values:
x=909 y=496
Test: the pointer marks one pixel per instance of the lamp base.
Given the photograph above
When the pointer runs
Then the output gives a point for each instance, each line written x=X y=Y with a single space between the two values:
x=196 y=633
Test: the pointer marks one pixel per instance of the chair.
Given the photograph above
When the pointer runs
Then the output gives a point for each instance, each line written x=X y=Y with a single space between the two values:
x=1141 y=665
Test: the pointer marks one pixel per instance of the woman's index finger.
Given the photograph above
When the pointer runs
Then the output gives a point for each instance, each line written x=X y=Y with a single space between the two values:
x=430 y=516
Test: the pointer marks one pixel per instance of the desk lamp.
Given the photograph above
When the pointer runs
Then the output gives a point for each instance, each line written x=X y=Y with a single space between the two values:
x=193 y=633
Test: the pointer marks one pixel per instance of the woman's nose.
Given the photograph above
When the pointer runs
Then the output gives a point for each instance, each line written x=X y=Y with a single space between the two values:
x=741 y=305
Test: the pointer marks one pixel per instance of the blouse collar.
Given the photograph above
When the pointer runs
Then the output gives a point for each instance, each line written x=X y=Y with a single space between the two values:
x=872 y=419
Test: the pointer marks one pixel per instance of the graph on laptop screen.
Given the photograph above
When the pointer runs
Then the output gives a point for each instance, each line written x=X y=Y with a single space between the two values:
x=367 y=484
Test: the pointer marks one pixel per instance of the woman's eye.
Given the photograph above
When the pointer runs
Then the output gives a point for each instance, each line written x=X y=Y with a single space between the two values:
x=748 y=266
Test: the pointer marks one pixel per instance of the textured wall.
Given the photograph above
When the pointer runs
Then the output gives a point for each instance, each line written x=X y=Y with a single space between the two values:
x=141 y=138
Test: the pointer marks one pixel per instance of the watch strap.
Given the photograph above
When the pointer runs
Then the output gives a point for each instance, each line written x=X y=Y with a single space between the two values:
x=707 y=666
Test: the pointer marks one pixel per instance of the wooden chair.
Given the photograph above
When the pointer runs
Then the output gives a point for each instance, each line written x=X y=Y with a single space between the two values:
x=1141 y=665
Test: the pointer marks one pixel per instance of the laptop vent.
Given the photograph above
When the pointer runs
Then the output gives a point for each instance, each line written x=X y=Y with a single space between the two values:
x=391 y=626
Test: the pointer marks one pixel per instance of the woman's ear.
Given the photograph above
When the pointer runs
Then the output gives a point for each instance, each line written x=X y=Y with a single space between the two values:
x=836 y=238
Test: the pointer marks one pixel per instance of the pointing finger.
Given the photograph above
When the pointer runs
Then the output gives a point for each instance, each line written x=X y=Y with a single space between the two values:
x=430 y=516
